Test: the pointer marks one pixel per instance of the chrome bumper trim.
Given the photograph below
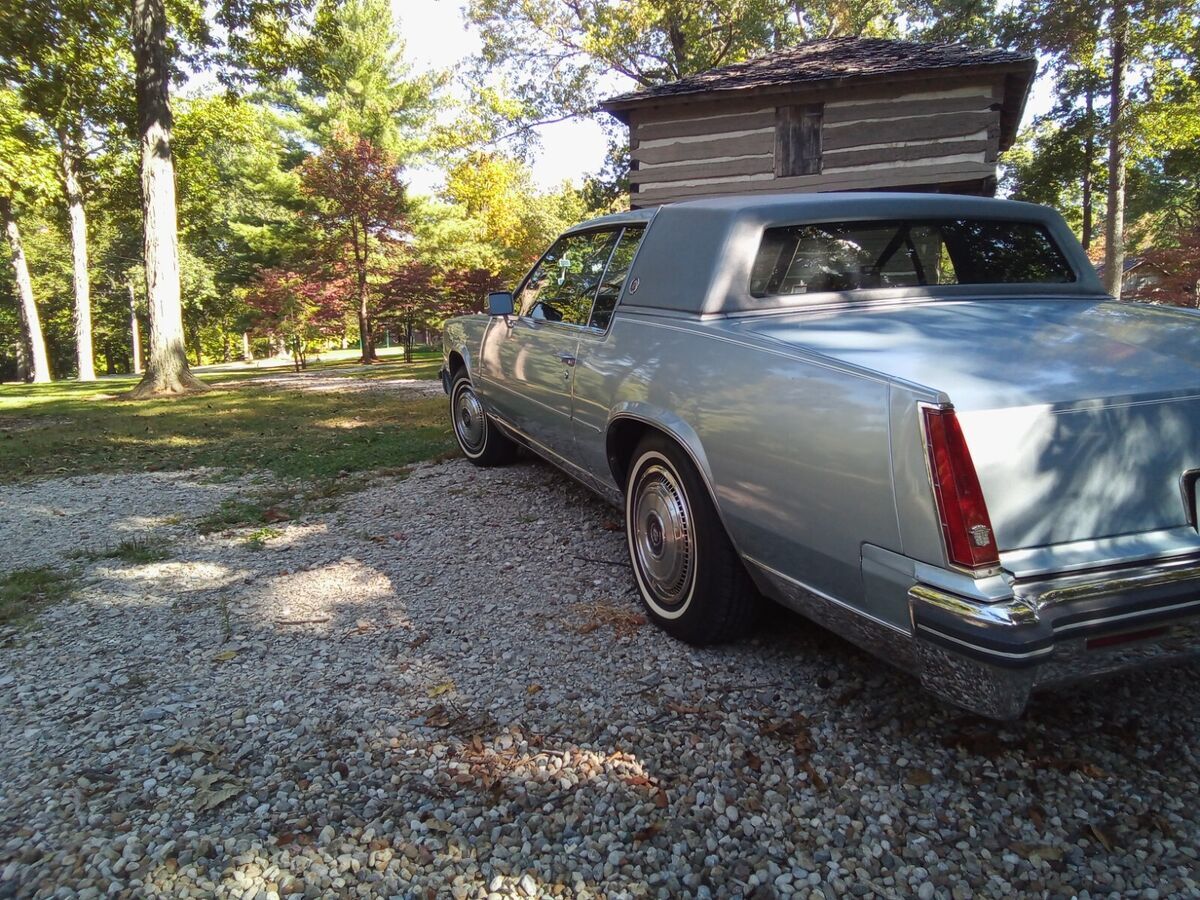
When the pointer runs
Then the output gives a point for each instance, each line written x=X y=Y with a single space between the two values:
x=989 y=657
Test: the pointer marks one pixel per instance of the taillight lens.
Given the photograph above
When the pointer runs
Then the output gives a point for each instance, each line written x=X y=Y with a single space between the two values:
x=966 y=527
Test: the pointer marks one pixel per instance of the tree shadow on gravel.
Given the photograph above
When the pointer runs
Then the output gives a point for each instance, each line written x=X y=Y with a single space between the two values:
x=429 y=710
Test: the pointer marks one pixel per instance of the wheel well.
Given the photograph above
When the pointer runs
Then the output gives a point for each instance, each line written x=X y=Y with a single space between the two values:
x=456 y=363
x=624 y=435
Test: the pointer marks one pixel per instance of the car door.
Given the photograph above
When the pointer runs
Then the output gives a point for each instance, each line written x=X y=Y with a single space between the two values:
x=599 y=367
x=529 y=359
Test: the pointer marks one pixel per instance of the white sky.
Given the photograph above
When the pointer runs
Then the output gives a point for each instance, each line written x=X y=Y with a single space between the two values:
x=436 y=37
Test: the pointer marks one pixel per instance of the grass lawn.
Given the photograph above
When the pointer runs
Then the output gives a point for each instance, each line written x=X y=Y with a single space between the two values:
x=68 y=428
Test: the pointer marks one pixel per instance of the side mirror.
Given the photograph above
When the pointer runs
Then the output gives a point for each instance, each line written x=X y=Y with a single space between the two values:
x=500 y=303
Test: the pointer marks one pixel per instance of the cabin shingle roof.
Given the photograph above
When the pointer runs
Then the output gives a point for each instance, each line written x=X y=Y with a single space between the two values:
x=827 y=60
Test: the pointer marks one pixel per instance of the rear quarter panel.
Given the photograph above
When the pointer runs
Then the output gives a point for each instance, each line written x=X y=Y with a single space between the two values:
x=797 y=450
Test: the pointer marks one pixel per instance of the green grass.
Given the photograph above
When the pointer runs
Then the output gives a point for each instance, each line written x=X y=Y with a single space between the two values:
x=258 y=538
x=25 y=591
x=69 y=428
x=133 y=550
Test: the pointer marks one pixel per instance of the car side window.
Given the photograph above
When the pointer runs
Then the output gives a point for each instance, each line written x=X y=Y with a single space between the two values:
x=563 y=284
x=614 y=276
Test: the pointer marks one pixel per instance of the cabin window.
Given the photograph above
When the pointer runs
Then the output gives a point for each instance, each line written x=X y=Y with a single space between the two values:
x=798 y=139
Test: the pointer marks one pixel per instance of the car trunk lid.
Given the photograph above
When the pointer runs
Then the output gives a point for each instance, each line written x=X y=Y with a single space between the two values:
x=1082 y=416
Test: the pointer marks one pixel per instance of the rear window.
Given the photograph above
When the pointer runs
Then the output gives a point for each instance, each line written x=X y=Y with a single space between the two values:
x=852 y=256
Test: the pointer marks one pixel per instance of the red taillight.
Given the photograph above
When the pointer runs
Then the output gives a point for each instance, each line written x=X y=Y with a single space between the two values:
x=966 y=528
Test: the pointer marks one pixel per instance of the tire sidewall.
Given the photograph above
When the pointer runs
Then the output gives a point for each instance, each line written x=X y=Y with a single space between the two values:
x=645 y=458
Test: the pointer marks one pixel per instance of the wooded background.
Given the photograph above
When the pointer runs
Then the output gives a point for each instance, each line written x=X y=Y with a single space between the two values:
x=235 y=172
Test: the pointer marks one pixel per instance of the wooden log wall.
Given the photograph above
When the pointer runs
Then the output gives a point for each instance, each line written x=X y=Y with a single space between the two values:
x=907 y=134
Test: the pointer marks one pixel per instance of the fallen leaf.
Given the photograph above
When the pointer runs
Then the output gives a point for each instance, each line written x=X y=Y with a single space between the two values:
x=274 y=514
x=533 y=689
x=285 y=838
x=754 y=762
x=919 y=777
x=444 y=688
x=1103 y=839
x=1041 y=851
x=644 y=834
x=814 y=776
x=610 y=525
x=418 y=641
x=588 y=627
x=1037 y=816
x=214 y=789
x=638 y=781
x=477 y=743
x=196 y=745
x=225 y=656
x=661 y=800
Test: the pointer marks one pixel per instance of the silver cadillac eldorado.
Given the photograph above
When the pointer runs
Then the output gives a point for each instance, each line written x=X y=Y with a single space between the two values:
x=916 y=419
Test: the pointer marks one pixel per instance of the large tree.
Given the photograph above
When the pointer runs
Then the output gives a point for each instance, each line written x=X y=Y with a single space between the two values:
x=167 y=369
x=1139 y=56
x=350 y=78
x=25 y=164
x=359 y=205
x=69 y=61
x=253 y=41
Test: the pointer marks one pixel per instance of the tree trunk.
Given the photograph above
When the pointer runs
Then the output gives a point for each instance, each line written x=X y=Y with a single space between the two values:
x=1089 y=161
x=247 y=353
x=365 y=338
x=135 y=337
x=1114 y=219
x=31 y=359
x=80 y=282
x=167 y=370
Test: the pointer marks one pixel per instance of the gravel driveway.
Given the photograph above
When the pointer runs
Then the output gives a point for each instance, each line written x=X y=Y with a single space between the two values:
x=445 y=688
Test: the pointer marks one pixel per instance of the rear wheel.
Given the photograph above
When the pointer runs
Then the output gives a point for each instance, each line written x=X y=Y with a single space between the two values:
x=688 y=574
x=479 y=439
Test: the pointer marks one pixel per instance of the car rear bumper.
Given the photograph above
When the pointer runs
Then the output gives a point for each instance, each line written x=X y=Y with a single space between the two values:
x=989 y=656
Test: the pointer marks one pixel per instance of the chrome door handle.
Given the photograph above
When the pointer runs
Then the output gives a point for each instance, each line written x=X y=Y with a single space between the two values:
x=566 y=359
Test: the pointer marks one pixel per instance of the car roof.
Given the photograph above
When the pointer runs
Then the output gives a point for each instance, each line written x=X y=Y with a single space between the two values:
x=629 y=217
x=697 y=255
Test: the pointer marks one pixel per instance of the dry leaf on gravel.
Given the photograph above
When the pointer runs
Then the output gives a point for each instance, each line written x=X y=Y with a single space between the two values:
x=624 y=621
x=214 y=789
x=919 y=777
x=1102 y=837
x=224 y=656
x=444 y=688
x=1040 y=851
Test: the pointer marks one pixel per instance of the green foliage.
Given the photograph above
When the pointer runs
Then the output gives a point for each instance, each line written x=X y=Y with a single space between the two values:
x=352 y=80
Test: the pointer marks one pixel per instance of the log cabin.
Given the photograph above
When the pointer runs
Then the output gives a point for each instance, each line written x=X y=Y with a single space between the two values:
x=841 y=114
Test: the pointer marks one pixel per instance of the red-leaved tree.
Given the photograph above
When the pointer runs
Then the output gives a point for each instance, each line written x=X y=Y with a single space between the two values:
x=1179 y=281
x=358 y=204
x=299 y=309
x=419 y=295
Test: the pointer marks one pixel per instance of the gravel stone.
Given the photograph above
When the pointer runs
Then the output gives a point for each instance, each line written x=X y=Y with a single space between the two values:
x=445 y=687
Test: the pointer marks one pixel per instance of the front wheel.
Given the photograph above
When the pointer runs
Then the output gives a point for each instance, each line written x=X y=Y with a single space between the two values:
x=480 y=441
x=688 y=574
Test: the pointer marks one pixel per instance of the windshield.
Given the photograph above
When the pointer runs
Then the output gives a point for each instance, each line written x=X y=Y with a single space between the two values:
x=851 y=256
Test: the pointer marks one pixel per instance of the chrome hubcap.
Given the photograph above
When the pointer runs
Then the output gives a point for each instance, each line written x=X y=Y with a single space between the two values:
x=664 y=542
x=469 y=423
